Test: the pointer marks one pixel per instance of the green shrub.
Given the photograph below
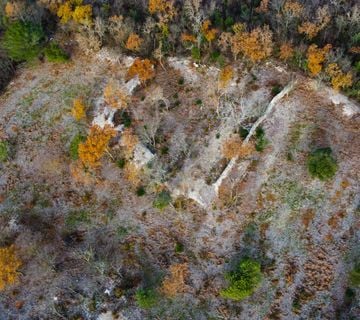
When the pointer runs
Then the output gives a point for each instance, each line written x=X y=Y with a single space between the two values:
x=54 y=53
x=140 y=191
x=321 y=164
x=122 y=232
x=4 y=151
x=276 y=89
x=74 y=146
x=162 y=200
x=354 y=276
x=229 y=21
x=243 y=132
x=121 y=163
x=75 y=218
x=198 y=102
x=164 y=150
x=22 y=40
x=243 y=281
x=126 y=119
x=195 y=53
x=179 y=247
x=217 y=57
x=357 y=67
x=146 y=298
x=261 y=141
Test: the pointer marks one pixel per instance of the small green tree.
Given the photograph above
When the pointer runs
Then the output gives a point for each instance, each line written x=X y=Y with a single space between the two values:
x=195 y=53
x=22 y=40
x=243 y=281
x=162 y=200
x=261 y=141
x=354 y=276
x=4 y=151
x=54 y=53
x=321 y=164
x=74 y=146
x=146 y=298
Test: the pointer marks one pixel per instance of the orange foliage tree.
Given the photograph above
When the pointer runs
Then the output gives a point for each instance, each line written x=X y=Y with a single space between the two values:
x=133 y=42
x=175 y=282
x=263 y=7
x=144 y=69
x=78 y=110
x=91 y=151
x=157 y=6
x=164 y=8
x=339 y=79
x=13 y=9
x=316 y=56
x=293 y=9
x=225 y=76
x=115 y=97
x=286 y=51
x=256 y=45
x=188 y=38
x=129 y=141
x=235 y=40
x=9 y=265
x=311 y=29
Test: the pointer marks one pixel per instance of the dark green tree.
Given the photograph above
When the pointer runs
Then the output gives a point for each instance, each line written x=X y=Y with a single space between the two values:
x=22 y=40
x=243 y=281
x=321 y=164
x=54 y=53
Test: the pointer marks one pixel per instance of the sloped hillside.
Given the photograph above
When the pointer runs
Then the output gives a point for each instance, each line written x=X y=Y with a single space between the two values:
x=199 y=173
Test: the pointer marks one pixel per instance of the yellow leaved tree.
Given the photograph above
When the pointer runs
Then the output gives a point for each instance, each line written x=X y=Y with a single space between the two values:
x=78 y=110
x=9 y=265
x=76 y=11
x=82 y=14
x=339 y=79
x=208 y=32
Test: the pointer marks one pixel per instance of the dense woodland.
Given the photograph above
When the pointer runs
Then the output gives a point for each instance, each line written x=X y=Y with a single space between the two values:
x=321 y=38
